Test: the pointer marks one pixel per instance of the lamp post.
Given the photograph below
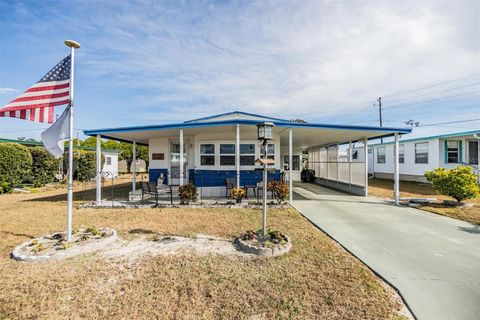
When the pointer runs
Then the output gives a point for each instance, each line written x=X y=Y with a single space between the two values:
x=265 y=133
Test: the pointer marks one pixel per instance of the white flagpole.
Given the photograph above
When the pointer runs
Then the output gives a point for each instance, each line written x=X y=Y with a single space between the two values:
x=73 y=45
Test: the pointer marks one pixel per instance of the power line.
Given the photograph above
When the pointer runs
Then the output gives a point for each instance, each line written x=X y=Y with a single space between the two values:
x=432 y=100
x=431 y=86
x=450 y=122
x=435 y=92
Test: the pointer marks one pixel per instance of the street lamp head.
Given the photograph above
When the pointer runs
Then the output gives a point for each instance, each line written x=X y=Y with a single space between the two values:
x=265 y=131
x=72 y=44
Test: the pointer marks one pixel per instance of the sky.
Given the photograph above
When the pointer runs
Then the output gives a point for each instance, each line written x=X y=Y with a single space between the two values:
x=148 y=62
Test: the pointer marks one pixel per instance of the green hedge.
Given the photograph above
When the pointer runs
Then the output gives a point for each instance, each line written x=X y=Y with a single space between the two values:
x=84 y=163
x=15 y=165
x=44 y=167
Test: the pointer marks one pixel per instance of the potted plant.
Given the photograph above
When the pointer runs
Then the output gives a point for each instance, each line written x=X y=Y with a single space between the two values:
x=187 y=192
x=237 y=194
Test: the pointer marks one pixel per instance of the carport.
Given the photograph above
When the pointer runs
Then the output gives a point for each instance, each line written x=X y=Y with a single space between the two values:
x=337 y=154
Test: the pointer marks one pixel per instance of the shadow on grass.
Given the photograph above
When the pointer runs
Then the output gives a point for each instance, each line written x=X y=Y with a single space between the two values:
x=88 y=193
x=17 y=234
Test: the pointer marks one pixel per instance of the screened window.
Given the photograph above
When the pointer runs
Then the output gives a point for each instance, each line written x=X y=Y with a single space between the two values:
x=401 y=153
x=270 y=151
x=381 y=155
x=247 y=154
x=295 y=162
x=453 y=149
x=227 y=154
x=421 y=152
x=207 y=154
x=108 y=161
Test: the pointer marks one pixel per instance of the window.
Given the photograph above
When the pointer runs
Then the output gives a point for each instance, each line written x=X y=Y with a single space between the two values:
x=355 y=154
x=270 y=151
x=381 y=155
x=207 y=154
x=227 y=154
x=453 y=154
x=247 y=154
x=295 y=162
x=108 y=161
x=401 y=153
x=421 y=152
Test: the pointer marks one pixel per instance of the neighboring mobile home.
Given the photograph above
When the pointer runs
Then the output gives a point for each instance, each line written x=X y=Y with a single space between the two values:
x=424 y=154
x=209 y=150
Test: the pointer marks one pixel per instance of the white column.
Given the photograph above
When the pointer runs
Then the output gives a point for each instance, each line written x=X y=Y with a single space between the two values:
x=396 y=173
x=181 y=157
x=237 y=156
x=365 y=152
x=99 y=169
x=134 y=168
x=290 y=165
x=350 y=158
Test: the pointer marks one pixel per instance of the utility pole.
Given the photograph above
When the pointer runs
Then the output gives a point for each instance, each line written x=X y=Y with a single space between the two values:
x=379 y=100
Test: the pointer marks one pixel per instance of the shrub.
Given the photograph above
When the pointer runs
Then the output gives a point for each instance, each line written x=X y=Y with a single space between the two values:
x=15 y=165
x=279 y=189
x=188 y=192
x=459 y=183
x=44 y=166
x=84 y=164
x=237 y=193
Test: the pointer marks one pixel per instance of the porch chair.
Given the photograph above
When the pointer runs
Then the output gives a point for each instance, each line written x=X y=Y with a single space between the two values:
x=230 y=183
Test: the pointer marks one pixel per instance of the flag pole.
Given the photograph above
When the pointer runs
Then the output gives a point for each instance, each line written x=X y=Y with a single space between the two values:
x=73 y=45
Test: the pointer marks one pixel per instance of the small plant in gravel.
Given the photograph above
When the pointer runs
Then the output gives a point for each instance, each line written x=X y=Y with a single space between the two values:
x=38 y=247
x=273 y=237
x=65 y=246
x=237 y=194
x=93 y=231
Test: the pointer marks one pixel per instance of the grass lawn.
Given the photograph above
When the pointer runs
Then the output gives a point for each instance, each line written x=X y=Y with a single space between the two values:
x=384 y=188
x=317 y=279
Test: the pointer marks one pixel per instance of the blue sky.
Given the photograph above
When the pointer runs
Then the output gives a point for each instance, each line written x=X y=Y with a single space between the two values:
x=149 y=62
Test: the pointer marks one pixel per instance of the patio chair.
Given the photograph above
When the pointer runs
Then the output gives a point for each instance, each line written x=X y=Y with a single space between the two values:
x=230 y=183
x=149 y=188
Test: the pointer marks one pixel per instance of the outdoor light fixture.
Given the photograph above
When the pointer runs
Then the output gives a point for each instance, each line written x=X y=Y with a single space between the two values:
x=265 y=131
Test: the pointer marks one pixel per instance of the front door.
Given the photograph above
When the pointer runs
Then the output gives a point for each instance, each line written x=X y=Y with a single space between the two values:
x=472 y=152
x=174 y=177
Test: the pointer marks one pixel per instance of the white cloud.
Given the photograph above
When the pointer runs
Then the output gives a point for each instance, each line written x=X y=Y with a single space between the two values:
x=8 y=90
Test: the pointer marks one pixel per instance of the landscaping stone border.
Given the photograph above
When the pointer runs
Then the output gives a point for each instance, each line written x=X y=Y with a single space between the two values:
x=276 y=250
x=64 y=254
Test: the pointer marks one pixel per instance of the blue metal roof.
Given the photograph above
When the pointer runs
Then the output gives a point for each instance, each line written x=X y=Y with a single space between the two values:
x=236 y=112
x=186 y=125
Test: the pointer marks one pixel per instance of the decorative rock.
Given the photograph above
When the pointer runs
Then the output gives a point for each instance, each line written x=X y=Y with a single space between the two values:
x=24 y=252
x=278 y=249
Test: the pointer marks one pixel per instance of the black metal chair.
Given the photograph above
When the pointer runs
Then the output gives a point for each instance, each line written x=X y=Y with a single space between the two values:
x=230 y=183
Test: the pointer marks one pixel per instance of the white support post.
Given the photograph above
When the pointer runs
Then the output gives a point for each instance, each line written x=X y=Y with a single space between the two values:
x=134 y=166
x=350 y=158
x=237 y=156
x=396 y=175
x=99 y=170
x=365 y=153
x=290 y=165
x=338 y=163
x=181 y=158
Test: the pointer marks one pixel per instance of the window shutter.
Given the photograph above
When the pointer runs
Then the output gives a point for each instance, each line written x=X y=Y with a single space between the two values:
x=460 y=151
x=446 y=151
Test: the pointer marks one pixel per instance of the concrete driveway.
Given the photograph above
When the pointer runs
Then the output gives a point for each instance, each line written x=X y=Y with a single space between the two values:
x=434 y=261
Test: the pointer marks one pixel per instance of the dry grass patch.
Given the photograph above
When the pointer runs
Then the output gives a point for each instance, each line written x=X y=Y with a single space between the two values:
x=409 y=189
x=317 y=279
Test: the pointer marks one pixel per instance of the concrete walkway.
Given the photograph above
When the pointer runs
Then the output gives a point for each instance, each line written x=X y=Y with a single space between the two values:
x=434 y=261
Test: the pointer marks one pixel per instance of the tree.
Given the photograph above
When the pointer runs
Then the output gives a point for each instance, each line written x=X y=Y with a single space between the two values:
x=459 y=183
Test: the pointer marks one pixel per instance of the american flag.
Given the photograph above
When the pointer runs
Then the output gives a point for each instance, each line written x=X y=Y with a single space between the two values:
x=37 y=103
